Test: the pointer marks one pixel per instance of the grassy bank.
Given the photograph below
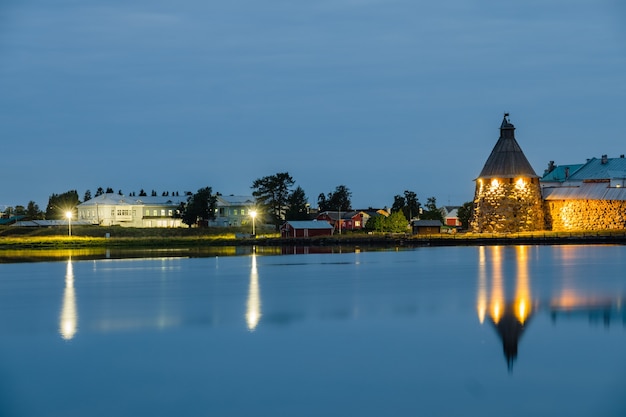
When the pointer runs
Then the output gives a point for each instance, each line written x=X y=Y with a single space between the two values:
x=119 y=237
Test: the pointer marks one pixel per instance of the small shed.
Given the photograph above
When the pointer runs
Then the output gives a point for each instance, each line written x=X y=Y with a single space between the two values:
x=426 y=227
x=306 y=228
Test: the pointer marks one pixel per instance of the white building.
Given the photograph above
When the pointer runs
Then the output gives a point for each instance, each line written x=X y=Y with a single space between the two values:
x=120 y=210
x=233 y=210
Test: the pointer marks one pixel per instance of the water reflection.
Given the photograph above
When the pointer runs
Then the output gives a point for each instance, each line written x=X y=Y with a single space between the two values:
x=509 y=315
x=68 y=321
x=253 y=305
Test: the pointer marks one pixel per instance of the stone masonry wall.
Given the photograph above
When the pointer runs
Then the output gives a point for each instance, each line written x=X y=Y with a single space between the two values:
x=507 y=205
x=568 y=215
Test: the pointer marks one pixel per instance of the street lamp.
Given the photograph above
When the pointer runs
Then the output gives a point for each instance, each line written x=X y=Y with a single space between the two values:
x=68 y=214
x=253 y=215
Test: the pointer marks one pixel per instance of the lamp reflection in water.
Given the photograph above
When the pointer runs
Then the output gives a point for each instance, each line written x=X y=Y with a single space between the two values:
x=68 y=323
x=508 y=317
x=253 y=305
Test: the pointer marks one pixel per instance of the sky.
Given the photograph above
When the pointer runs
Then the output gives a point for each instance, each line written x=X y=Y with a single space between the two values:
x=381 y=96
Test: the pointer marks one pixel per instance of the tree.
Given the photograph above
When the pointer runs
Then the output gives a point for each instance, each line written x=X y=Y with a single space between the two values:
x=465 y=214
x=298 y=206
x=271 y=193
x=200 y=207
x=99 y=191
x=396 y=222
x=413 y=206
x=87 y=196
x=398 y=203
x=339 y=200
x=408 y=204
x=142 y=193
x=376 y=223
x=432 y=212
x=59 y=204
x=109 y=190
x=33 y=212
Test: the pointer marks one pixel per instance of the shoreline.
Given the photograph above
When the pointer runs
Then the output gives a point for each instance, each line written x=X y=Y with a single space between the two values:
x=190 y=242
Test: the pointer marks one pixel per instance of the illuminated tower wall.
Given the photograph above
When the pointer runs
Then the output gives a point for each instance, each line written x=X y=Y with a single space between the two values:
x=508 y=194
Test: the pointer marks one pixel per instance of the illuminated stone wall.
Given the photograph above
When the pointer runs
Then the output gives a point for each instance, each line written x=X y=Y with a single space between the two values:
x=568 y=215
x=508 y=205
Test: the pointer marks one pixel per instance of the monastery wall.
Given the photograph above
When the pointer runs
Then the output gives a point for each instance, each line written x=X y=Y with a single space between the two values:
x=569 y=215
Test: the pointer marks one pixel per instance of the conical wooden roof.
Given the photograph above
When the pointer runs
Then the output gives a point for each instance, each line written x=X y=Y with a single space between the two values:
x=507 y=159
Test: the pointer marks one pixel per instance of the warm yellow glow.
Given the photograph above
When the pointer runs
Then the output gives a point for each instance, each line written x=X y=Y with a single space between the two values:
x=522 y=306
x=565 y=213
x=68 y=323
x=481 y=302
x=253 y=214
x=253 y=305
x=496 y=305
x=520 y=183
x=496 y=312
x=68 y=214
x=495 y=183
x=497 y=290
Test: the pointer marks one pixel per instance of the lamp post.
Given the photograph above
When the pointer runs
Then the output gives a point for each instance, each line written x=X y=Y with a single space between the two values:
x=69 y=222
x=253 y=215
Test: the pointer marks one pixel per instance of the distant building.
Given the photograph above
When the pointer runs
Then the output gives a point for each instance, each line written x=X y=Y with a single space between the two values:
x=233 y=210
x=426 y=227
x=305 y=228
x=119 y=210
x=451 y=216
x=349 y=220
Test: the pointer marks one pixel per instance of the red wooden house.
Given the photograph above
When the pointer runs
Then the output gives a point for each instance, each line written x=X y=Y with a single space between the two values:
x=305 y=228
x=350 y=220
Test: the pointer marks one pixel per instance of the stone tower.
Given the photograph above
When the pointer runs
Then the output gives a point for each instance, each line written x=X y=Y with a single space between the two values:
x=508 y=195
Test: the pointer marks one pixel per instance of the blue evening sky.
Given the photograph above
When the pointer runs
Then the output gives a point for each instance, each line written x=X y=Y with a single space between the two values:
x=378 y=95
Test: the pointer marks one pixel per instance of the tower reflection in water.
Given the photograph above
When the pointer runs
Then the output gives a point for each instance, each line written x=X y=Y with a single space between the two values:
x=253 y=304
x=509 y=316
x=68 y=320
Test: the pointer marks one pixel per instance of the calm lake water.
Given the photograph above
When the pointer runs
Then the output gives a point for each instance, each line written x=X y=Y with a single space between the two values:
x=455 y=331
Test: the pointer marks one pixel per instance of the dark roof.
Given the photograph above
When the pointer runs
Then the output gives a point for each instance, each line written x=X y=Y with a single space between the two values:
x=507 y=159
x=309 y=224
x=345 y=215
x=427 y=223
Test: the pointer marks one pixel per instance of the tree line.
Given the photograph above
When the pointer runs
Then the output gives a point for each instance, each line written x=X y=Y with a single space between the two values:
x=276 y=197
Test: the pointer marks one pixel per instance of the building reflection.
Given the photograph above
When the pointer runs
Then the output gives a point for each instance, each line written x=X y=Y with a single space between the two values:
x=509 y=315
x=68 y=320
x=253 y=304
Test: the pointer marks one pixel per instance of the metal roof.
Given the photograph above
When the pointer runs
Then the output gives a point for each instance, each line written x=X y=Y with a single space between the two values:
x=235 y=200
x=49 y=223
x=309 y=224
x=586 y=191
x=122 y=200
x=427 y=223
x=345 y=215
x=558 y=174
x=595 y=169
x=507 y=159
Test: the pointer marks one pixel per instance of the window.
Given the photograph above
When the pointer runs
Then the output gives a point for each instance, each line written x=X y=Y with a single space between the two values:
x=169 y=213
x=147 y=212
x=154 y=212
x=162 y=212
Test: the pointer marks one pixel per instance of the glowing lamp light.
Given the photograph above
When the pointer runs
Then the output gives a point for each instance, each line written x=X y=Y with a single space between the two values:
x=68 y=214
x=253 y=215
x=520 y=183
x=495 y=183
